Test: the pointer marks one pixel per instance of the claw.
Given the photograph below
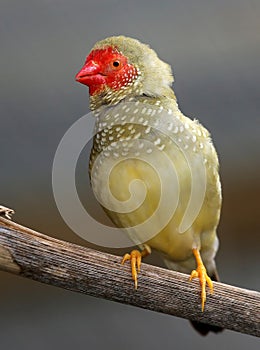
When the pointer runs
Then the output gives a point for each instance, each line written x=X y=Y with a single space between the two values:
x=204 y=279
x=135 y=258
x=7 y=212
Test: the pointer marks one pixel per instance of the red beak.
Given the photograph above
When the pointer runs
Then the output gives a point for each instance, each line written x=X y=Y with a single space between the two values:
x=89 y=72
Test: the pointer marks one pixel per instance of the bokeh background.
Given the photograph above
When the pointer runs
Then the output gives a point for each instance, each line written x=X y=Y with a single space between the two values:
x=214 y=49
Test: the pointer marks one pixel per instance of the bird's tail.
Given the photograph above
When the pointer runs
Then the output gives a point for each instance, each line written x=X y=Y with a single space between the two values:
x=204 y=328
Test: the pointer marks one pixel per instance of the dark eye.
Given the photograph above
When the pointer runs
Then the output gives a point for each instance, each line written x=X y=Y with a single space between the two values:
x=116 y=64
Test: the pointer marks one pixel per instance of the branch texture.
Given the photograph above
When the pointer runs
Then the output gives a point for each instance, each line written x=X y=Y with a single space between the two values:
x=45 y=259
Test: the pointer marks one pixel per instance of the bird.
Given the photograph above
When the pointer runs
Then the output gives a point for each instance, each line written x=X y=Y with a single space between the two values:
x=143 y=139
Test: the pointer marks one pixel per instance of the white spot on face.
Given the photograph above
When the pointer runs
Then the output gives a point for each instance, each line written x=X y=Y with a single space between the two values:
x=201 y=145
x=198 y=132
x=186 y=125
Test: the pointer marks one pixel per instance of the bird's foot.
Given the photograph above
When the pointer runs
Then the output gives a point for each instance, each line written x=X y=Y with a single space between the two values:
x=135 y=258
x=7 y=212
x=204 y=279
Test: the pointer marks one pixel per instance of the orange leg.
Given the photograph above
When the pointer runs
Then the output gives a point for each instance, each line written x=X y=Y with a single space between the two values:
x=135 y=258
x=204 y=279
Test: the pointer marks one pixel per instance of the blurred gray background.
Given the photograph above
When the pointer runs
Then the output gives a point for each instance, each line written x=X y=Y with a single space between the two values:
x=214 y=49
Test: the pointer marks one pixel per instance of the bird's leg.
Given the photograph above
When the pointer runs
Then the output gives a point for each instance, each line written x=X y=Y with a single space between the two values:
x=135 y=258
x=204 y=279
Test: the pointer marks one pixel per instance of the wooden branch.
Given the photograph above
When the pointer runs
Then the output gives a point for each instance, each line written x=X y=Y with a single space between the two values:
x=45 y=259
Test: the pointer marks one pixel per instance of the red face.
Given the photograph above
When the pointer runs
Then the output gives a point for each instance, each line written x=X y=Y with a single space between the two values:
x=106 y=68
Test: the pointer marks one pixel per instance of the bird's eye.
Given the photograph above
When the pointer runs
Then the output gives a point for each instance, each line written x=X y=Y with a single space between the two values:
x=116 y=64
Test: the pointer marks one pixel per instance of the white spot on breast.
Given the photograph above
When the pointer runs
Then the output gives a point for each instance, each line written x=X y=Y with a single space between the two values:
x=194 y=138
x=157 y=142
x=161 y=148
x=136 y=110
x=147 y=130
x=175 y=130
x=170 y=127
x=149 y=150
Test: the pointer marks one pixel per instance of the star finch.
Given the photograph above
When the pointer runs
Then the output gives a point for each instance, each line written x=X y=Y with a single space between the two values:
x=139 y=127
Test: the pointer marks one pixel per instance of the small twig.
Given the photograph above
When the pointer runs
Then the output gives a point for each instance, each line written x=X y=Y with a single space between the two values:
x=45 y=259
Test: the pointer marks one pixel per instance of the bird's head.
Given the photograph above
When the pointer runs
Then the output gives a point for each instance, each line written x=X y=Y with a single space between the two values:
x=118 y=67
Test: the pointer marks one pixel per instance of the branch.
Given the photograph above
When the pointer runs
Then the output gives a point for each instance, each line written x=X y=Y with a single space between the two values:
x=45 y=259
